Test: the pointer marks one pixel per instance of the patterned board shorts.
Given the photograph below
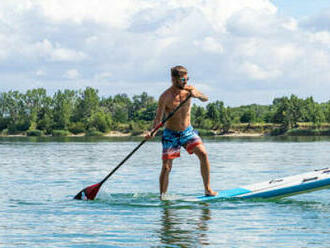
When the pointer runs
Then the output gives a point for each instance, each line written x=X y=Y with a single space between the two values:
x=173 y=140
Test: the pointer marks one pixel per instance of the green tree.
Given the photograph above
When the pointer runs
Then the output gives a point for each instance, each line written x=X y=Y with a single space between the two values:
x=121 y=108
x=281 y=114
x=141 y=107
x=148 y=113
x=16 y=108
x=288 y=111
x=87 y=104
x=64 y=104
x=295 y=109
x=35 y=101
x=199 y=116
x=213 y=114
x=327 y=111
x=268 y=114
x=249 y=116
x=314 y=112
x=226 y=120
x=100 y=120
x=4 y=115
x=45 y=120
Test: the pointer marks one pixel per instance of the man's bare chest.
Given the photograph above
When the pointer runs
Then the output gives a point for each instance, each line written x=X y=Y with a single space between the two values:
x=174 y=101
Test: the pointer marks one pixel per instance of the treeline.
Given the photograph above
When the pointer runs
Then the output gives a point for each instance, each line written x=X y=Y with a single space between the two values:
x=285 y=113
x=75 y=112
x=84 y=111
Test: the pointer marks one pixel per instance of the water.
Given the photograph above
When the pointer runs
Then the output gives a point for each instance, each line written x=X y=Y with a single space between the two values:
x=39 y=177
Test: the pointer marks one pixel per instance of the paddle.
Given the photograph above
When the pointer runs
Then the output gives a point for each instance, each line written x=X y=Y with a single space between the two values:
x=90 y=192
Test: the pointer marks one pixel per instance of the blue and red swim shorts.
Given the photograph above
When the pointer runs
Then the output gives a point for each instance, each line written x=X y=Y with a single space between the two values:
x=173 y=140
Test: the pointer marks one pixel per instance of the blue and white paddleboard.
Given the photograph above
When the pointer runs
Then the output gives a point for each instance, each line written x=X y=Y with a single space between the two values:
x=276 y=188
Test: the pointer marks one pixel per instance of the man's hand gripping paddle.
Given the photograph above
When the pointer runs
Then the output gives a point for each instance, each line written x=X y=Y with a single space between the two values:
x=90 y=192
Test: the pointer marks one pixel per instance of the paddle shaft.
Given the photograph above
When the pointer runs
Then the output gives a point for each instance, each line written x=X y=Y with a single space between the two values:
x=142 y=142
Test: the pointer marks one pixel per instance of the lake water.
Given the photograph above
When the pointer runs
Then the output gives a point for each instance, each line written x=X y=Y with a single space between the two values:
x=39 y=177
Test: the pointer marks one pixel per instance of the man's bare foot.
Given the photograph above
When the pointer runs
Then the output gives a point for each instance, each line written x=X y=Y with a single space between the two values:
x=210 y=192
x=163 y=197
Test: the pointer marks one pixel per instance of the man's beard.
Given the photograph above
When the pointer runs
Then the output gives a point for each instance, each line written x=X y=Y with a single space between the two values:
x=181 y=86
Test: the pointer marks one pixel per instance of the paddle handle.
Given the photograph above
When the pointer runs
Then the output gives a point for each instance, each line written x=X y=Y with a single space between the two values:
x=159 y=125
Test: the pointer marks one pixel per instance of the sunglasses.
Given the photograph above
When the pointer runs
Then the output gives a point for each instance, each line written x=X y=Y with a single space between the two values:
x=184 y=79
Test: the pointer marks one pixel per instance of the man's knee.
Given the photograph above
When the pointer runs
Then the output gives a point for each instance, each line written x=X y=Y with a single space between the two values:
x=167 y=165
x=200 y=151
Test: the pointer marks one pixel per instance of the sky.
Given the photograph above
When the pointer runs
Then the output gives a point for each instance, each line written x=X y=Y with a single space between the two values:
x=240 y=52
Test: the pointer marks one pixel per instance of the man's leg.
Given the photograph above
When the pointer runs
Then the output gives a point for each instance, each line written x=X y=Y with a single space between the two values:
x=201 y=153
x=164 y=175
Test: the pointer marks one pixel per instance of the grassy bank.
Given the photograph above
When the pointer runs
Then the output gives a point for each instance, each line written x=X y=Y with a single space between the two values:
x=243 y=129
x=302 y=129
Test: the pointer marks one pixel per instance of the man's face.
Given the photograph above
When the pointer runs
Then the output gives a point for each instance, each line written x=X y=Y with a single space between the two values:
x=181 y=81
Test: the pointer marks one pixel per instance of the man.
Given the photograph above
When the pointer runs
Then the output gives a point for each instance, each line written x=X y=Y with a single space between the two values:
x=178 y=131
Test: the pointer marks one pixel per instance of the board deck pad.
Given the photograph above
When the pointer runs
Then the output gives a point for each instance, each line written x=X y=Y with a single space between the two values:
x=276 y=188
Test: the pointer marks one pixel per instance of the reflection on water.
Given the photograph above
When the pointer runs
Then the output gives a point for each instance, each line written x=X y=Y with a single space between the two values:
x=205 y=216
x=178 y=229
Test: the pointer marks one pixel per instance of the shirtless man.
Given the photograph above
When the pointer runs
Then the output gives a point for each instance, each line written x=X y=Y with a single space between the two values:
x=178 y=131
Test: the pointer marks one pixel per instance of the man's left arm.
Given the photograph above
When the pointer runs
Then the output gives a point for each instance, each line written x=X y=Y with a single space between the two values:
x=197 y=94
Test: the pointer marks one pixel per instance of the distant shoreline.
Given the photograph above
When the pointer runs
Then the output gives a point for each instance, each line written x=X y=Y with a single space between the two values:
x=203 y=133
x=119 y=134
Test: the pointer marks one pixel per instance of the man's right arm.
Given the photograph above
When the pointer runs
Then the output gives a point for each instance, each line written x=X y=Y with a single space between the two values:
x=159 y=114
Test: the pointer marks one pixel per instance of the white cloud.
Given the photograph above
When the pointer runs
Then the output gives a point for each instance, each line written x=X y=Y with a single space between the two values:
x=104 y=76
x=113 y=13
x=219 y=12
x=40 y=72
x=247 y=22
x=72 y=74
x=286 y=53
x=290 y=24
x=259 y=73
x=322 y=37
x=7 y=42
x=91 y=39
x=57 y=53
x=235 y=46
x=63 y=54
x=210 y=44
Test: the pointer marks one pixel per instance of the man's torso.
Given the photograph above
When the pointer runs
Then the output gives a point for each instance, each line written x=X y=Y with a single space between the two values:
x=181 y=119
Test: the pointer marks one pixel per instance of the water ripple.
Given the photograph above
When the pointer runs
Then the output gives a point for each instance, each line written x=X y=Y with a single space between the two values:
x=39 y=178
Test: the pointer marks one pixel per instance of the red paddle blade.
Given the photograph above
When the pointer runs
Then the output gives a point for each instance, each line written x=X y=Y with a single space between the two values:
x=88 y=193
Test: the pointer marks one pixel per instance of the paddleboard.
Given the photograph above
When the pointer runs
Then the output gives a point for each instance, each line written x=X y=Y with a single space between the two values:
x=276 y=188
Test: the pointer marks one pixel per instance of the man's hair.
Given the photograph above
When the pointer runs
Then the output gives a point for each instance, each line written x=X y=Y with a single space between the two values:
x=178 y=71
